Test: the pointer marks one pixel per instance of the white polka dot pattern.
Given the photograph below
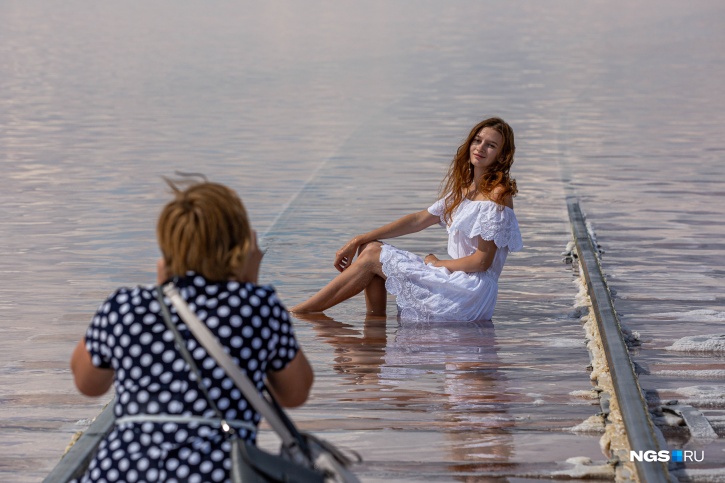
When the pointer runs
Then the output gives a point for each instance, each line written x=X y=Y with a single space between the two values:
x=129 y=335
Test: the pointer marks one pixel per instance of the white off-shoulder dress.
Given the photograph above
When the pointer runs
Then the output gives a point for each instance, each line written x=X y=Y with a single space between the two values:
x=428 y=293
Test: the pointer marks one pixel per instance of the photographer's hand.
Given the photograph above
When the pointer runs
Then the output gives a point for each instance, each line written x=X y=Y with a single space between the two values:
x=250 y=270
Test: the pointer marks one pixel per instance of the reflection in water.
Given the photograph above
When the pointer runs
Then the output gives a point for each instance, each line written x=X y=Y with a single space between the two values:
x=441 y=377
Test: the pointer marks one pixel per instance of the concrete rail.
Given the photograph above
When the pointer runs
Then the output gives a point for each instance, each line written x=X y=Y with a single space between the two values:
x=74 y=463
x=637 y=422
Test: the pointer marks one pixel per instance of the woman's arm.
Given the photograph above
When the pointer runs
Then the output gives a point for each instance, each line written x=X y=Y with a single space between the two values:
x=411 y=223
x=89 y=379
x=291 y=385
x=479 y=261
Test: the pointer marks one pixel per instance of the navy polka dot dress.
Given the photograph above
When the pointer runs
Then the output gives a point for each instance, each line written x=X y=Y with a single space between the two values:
x=128 y=334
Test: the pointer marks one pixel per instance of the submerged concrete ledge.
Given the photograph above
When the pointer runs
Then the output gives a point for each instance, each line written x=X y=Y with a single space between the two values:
x=640 y=430
x=74 y=462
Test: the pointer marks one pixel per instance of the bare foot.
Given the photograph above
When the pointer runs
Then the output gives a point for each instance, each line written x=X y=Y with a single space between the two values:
x=297 y=310
x=375 y=316
x=311 y=316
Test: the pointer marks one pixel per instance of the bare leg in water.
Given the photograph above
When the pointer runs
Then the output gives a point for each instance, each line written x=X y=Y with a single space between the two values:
x=365 y=273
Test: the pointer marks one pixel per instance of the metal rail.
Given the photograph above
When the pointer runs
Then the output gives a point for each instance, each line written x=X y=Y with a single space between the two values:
x=638 y=425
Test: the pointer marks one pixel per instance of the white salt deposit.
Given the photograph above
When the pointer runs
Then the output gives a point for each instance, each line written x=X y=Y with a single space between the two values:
x=579 y=460
x=584 y=468
x=705 y=396
x=591 y=394
x=566 y=343
x=704 y=392
x=711 y=475
x=701 y=315
x=582 y=297
x=614 y=441
x=700 y=343
x=718 y=374
x=593 y=424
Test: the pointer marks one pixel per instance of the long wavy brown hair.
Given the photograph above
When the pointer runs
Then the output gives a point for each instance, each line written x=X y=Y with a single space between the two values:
x=460 y=173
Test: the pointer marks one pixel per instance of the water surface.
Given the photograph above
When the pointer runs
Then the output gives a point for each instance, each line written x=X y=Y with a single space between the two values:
x=333 y=117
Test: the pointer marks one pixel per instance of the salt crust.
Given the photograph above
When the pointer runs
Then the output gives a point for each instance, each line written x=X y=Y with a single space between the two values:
x=715 y=392
x=565 y=343
x=613 y=442
x=593 y=424
x=585 y=394
x=700 y=476
x=717 y=374
x=702 y=397
x=700 y=343
x=700 y=315
x=584 y=468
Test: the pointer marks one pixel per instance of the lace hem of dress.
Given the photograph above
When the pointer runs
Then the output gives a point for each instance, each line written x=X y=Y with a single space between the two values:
x=490 y=223
x=409 y=296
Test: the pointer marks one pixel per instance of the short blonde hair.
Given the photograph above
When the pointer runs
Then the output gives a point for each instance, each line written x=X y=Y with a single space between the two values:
x=204 y=229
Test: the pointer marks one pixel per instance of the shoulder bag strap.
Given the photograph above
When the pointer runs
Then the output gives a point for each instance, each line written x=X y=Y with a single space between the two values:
x=208 y=340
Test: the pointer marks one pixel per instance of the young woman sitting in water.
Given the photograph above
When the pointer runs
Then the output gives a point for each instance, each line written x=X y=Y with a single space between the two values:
x=165 y=428
x=477 y=209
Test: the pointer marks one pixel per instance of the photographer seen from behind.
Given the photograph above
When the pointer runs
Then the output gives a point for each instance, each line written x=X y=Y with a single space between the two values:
x=166 y=429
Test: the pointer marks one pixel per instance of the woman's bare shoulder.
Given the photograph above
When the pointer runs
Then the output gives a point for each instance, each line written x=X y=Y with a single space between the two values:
x=500 y=196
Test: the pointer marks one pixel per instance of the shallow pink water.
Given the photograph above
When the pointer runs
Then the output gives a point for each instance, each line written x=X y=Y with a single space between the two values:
x=331 y=119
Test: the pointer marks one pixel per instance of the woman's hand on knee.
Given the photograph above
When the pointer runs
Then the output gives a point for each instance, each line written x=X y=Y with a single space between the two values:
x=344 y=256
